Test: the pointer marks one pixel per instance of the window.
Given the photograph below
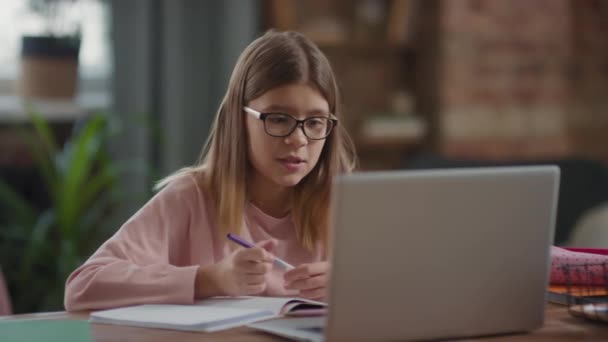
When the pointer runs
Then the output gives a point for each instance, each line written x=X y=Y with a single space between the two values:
x=16 y=19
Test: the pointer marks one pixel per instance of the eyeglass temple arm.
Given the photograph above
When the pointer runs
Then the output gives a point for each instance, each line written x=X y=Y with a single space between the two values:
x=252 y=112
x=258 y=114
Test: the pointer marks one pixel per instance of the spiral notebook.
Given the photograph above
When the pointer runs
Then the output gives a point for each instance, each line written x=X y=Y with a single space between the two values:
x=207 y=315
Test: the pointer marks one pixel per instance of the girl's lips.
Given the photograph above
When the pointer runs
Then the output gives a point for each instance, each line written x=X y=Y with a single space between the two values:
x=292 y=159
x=292 y=164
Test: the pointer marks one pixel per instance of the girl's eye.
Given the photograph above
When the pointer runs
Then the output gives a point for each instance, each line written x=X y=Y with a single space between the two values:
x=277 y=119
x=315 y=123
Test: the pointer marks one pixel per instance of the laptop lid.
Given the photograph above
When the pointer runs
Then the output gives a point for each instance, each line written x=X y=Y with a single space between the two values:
x=442 y=253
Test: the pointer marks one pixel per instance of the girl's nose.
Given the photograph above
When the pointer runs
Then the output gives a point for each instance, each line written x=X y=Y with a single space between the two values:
x=297 y=137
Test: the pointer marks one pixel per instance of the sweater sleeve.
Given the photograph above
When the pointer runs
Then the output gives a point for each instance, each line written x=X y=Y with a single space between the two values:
x=135 y=265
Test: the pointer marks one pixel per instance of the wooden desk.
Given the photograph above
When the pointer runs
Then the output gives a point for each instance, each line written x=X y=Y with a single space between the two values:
x=559 y=326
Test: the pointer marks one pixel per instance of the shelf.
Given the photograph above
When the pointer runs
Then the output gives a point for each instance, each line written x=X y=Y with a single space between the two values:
x=373 y=49
x=386 y=143
x=366 y=48
x=13 y=109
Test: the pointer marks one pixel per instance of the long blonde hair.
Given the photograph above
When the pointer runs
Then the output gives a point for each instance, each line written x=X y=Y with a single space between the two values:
x=275 y=59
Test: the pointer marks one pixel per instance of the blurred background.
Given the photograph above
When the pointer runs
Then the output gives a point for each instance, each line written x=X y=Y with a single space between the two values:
x=99 y=99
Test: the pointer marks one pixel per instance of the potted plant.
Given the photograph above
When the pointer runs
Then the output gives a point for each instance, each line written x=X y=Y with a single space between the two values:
x=49 y=58
x=40 y=246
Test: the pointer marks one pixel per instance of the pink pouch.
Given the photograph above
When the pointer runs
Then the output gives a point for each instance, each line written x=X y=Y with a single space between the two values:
x=579 y=266
x=599 y=251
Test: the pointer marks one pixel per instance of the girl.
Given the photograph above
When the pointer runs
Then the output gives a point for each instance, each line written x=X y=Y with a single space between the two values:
x=265 y=174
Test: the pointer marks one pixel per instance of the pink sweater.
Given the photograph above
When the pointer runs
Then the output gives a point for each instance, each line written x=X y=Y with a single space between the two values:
x=154 y=256
x=5 y=301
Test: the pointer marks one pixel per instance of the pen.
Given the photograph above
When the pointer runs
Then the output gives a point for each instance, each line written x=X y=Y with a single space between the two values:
x=277 y=262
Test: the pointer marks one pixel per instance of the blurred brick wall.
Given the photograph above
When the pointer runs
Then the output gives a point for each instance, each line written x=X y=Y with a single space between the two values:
x=588 y=118
x=523 y=79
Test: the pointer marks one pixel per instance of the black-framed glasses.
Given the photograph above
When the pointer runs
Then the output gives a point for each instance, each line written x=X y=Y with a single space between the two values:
x=282 y=125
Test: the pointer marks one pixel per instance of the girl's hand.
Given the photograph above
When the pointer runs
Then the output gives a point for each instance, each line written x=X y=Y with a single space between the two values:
x=310 y=279
x=241 y=273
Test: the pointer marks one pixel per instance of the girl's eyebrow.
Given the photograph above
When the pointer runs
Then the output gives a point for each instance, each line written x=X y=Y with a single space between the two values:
x=278 y=108
x=290 y=110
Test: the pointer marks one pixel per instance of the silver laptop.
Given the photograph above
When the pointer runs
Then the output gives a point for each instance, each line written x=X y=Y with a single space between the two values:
x=436 y=254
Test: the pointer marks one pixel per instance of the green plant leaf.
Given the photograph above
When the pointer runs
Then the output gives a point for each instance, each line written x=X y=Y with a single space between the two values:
x=44 y=161
x=44 y=150
x=12 y=234
x=37 y=243
x=44 y=247
x=85 y=149
x=44 y=131
x=97 y=184
x=14 y=203
x=67 y=260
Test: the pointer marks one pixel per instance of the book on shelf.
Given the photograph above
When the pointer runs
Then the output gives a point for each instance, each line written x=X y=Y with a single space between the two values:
x=393 y=128
x=400 y=22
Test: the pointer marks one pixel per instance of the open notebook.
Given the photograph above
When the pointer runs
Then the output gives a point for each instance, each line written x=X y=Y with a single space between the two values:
x=207 y=315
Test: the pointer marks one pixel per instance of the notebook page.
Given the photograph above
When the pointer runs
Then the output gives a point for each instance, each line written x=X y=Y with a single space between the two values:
x=180 y=317
x=276 y=305
x=299 y=329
